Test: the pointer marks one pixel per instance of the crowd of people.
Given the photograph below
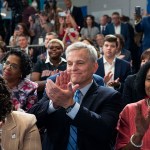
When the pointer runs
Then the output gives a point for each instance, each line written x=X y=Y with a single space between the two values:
x=69 y=82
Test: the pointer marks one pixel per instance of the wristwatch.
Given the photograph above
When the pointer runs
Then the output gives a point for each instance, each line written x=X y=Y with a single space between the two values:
x=70 y=108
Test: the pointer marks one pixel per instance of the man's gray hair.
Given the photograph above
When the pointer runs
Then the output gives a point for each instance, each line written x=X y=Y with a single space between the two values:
x=80 y=45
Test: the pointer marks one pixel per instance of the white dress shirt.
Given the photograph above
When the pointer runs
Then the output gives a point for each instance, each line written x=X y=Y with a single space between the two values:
x=109 y=67
x=117 y=29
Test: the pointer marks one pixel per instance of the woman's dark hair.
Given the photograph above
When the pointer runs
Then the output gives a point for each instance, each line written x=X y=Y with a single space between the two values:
x=140 y=79
x=25 y=61
x=25 y=29
x=33 y=18
x=5 y=103
x=87 y=39
x=90 y=16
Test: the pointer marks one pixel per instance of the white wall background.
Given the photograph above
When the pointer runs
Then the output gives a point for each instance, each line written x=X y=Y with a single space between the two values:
x=125 y=6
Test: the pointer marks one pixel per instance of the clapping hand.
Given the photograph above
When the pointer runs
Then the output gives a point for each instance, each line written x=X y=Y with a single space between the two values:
x=114 y=83
x=142 y=122
x=61 y=93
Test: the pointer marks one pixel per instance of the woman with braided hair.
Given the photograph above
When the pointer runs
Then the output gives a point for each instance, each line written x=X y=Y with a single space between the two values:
x=18 y=130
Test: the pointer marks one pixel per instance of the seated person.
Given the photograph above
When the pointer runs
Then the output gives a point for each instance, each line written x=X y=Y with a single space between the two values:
x=15 y=69
x=76 y=102
x=112 y=69
x=133 y=126
x=18 y=129
x=121 y=52
x=53 y=64
x=130 y=92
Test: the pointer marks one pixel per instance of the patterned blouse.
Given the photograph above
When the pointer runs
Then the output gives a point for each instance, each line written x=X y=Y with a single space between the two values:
x=24 y=96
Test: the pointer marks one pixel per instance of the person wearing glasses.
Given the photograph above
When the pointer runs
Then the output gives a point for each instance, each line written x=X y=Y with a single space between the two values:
x=15 y=69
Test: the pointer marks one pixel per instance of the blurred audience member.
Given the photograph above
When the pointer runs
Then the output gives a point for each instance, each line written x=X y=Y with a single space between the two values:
x=34 y=29
x=46 y=25
x=103 y=21
x=75 y=12
x=27 y=11
x=131 y=93
x=89 y=30
x=24 y=46
x=117 y=27
x=121 y=52
x=143 y=25
x=100 y=42
x=68 y=28
x=21 y=28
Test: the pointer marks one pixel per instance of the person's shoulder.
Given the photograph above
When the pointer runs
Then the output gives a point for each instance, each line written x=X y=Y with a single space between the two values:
x=76 y=8
x=131 y=77
x=107 y=91
x=109 y=25
x=124 y=62
x=26 y=83
x=131 y=106
x=23 y=118
x=100 y=60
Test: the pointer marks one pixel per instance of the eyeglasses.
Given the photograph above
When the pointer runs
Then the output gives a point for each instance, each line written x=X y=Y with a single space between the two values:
x=12 y=66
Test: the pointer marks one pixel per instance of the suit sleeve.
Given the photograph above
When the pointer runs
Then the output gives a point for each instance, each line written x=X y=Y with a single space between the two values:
x=31 y=139
x=40 y=110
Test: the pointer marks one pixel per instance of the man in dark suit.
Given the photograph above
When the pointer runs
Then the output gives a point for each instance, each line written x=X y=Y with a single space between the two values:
x=94 y=116
x=75 y=12
x=102 y=23
x=117 y=27
x=113 y=70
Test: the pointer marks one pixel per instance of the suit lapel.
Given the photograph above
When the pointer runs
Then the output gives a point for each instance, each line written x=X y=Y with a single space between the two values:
x=10 y=134
x=113 y=28
x=101 y=70
x=90 y=95
x=117 y=69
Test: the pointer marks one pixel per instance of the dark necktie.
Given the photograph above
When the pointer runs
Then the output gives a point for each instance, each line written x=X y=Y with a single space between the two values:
x=103 y=29
x=72 y=143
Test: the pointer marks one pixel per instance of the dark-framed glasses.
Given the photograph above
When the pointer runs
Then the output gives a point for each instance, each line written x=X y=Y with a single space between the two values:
x=12 y=66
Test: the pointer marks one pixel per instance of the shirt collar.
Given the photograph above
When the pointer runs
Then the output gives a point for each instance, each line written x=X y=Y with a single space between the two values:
x=86 y=88
x=61 y=60
x=105 y=61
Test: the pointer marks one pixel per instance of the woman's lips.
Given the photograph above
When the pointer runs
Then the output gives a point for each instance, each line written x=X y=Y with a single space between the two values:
x=6 y=73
